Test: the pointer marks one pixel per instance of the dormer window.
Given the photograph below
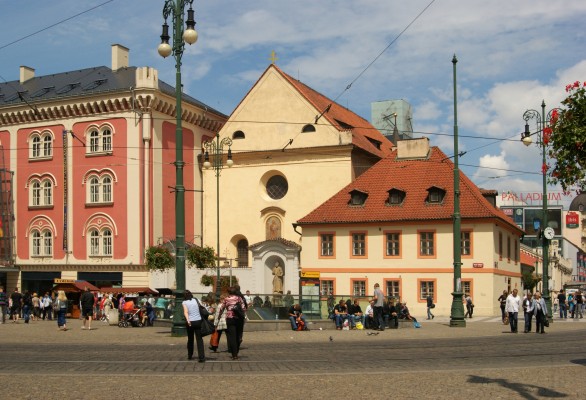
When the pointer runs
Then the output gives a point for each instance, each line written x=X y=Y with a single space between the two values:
x=374 y=142
x=435 y=195
x=357 y=198
x=396 y=197
x=308 y=128
x=238 y=135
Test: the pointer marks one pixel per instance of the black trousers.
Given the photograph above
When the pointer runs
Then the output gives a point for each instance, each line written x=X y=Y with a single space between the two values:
x=377 y=313
x=540 y=321
x=195 y=330
x=234 y=334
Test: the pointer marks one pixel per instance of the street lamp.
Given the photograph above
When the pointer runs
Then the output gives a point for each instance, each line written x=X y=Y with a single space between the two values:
x=216 y=148
x=175 y=9
x=541 y=119
x=457 y=319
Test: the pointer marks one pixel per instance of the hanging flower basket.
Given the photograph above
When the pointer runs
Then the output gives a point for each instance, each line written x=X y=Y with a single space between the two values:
x=207 y=280
x=201 y=257
x=159 y=258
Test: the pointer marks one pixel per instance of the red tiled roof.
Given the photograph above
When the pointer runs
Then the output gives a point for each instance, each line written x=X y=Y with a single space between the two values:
x=279 y=240
x=413 y=177
x=528 y=259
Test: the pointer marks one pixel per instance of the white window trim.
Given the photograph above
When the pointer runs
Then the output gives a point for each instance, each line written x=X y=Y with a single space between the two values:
x=42 y=139
x=102 y=242
x=41 y=250
x=101 y=196
x=44 y=200
x=101 y=146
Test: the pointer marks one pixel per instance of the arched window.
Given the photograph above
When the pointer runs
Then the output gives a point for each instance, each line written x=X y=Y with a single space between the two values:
x=94 y=141
x=41 y=243
x=107 y=189
x=35 y=146
x=238 y=135
x=100 y=243
x=100 y=140
x=36 y=193
x=47 y=192
x=94 y=185
x=308 y=128
x=106 y=140
x=242 y=247
x=47 y=145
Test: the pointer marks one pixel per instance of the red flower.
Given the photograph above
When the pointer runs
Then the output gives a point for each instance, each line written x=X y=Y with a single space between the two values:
x=544 y=168
x=577 y=84
x=568 y=88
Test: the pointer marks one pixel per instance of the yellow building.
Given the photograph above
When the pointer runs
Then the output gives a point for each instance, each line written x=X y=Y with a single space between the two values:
x=393 y=226
x=292 y=148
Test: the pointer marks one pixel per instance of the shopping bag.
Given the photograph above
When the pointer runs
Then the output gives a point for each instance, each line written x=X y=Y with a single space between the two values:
x=215 y=339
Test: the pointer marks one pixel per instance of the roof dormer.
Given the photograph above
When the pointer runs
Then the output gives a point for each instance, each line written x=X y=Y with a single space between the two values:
x=357 y=198
x=435 y=195
x=396 y=197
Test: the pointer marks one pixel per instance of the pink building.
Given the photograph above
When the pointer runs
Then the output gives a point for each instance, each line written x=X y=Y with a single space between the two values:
x=87 y=174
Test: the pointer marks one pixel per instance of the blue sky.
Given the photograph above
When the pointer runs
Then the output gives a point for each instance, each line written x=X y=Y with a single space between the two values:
x=512 y=55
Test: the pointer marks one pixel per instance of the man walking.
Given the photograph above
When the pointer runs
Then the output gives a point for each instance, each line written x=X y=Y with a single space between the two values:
x=379 y=301
x=512 y=307
x=16 y=298
x=579 y=298
x=430 y=305
x=87 y=308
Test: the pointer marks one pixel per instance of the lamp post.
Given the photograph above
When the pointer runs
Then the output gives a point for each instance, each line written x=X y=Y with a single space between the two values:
x=175 y=10
x=457 y=311
x=216 y=148
x=541 y=119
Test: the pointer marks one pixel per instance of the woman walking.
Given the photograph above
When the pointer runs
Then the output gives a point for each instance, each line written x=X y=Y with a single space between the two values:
x=220 y=323
x=235 y=309
x=61 y=310
x=540 y=311
x=193 y=321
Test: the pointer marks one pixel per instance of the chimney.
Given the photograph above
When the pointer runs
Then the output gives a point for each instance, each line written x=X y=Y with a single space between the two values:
x=413 y=149
x=119 y=57
x=26 y=73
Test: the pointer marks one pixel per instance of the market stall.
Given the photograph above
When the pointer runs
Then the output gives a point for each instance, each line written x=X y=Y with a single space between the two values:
x=73 y=289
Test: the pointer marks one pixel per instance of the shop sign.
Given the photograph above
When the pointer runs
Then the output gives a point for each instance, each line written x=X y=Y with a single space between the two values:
x=478 y=265
x=572 y=220
x=64 y=280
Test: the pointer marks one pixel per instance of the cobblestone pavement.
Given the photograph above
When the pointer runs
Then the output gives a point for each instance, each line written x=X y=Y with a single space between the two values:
x=481 y=361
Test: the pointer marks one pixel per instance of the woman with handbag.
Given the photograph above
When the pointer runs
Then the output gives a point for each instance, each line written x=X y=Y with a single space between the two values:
x=193 y=320
x=234 y=308
x=540 y=311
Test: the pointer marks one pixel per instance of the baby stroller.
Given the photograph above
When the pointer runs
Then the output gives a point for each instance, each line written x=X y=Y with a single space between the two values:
x=133 y=319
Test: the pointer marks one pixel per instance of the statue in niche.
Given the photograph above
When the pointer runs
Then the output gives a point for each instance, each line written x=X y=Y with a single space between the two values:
x=273 y=228
x=278 y=278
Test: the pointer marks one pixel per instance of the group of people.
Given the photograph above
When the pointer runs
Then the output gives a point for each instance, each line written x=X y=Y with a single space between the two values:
x=378 y=315
x=532 y=305
x=574 y=301
x=27 y=306
x=228 y=315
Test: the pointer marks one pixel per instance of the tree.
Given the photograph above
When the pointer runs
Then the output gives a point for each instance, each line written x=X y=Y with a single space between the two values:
x=566 y=137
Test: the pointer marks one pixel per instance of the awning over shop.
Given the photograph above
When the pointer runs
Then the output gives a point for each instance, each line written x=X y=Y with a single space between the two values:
x=129 y=290
x=73 y=286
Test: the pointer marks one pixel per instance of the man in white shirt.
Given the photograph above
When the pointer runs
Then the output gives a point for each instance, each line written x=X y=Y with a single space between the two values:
x=512 y=307
x=369 y=315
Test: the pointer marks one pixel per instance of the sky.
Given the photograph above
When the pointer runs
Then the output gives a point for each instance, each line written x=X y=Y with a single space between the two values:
x=512 y=55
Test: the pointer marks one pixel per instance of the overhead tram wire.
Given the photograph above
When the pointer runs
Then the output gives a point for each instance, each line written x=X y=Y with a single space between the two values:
x=55 y=24
x=290 y=141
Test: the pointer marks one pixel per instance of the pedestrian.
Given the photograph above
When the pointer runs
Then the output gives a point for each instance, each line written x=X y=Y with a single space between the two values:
x=379 y=301
x=233 y=304
x=16 y=299
x=3 y=305
x=562 y=304
x=61 y=302
x=540 y=311
x=579 y=299
x=36 y=307
x=27 y=306
x=87 y=308
x=503 y=302
x=46 y=306
x=469 y=306
x=193 y=320
x=528 y=311
x=430 y=305
x=512 y=307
